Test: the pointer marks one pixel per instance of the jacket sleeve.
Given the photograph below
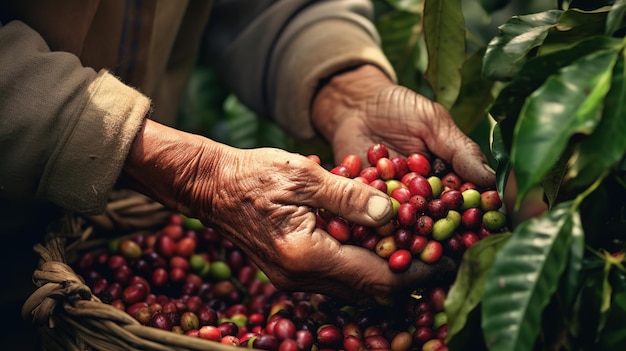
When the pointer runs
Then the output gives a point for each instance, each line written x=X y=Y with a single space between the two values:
x=65 y=130
x=274 y=54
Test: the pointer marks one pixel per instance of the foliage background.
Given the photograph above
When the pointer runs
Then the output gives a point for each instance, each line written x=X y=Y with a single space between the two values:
x=556 y=282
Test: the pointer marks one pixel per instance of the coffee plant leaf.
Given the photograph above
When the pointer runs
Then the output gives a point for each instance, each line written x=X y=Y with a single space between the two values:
x=493 y=5
x=571 y=280
x=242 y=124
x=467 y=290
x=615 y=17
x=568 y=103
x=501 y=155
x=613 y=337
x=444 y=34
x=475 y=95
x=606 y=146
x=412 y=6
x=524 y=277
x=588 y=318
x=509 y=102
x=400 y=33
x=507 y=51
x=573 y=26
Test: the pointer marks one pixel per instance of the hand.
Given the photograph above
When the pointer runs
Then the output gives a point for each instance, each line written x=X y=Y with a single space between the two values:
x=362 y=107
x=261 y=199
x=532 y=205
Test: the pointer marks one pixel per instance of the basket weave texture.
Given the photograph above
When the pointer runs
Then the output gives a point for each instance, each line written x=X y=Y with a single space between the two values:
x=63 y=307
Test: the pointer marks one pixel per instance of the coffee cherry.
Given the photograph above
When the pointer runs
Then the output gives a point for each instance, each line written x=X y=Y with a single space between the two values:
x=353 y=164
x=339 y=229
x=420 y=186
x=386 y=246
x=443 y=228
x=432 y=252
x=494 y=220
x=161 y=321
x=451 y=181
x=375 y=152
x=419 y=163
x=342 y=171
x=189 y=320
x=329 y=336
x=210 y=332
x=401 y=167
x=352 y=343
x=385 y=168
x=436 y=185
x=400 y=260
x=471 y=198
x=490 y=200
x=472 y=218
x=407 y=214
x=129 y=249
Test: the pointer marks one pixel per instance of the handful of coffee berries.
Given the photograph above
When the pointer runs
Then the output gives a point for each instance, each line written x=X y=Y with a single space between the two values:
x=436 y=212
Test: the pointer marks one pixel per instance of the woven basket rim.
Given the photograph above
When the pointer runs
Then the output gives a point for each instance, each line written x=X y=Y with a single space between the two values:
x=70 y=317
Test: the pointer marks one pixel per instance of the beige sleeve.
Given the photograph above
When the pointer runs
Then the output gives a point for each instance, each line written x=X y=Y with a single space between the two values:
x=314 y=53
x=65 y=130
x=273 y=55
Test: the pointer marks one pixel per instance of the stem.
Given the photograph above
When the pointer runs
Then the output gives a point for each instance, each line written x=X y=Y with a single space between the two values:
x=579 y=199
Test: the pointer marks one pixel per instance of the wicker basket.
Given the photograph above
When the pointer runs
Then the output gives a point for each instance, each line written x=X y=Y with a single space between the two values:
x=63 y=307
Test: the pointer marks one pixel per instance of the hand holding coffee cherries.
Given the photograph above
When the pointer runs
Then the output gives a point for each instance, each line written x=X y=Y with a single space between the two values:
x=363 y=107
x=262 y=200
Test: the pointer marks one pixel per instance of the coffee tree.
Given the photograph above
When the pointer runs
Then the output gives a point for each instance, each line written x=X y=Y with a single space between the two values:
x=553 y=84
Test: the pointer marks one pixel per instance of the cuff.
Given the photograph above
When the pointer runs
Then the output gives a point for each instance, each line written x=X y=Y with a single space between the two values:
x=89 y=158
x=309 y=59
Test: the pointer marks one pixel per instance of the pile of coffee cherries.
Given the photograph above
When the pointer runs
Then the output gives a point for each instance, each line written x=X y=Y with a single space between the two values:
x=189 y=279
x=436 y=213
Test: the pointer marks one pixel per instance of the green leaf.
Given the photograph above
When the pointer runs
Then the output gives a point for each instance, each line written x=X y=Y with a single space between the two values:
x=569 y=102
x=606 y=146
x=575 y=260
x=467 y=290
x=615 y=17
x=506 y=53
x=475 y=95
x=400 y=32
x=523 y=279
x=588 y=317
x=613 y=337
x=553 y=179
x=444 y=32
x=412 y=6
x=501 y=155
x=242 y=124
x=493 y=5
x=573 y=26
x=510 y=100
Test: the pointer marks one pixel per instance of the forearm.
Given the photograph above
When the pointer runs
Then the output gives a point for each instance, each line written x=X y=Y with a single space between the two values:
x=164 y=164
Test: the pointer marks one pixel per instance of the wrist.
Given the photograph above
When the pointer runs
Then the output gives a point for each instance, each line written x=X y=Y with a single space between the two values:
x=343 y=95
x=164 y=164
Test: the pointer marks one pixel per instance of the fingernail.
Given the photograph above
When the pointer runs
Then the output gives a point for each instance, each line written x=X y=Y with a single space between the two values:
x=378 y=207
x=488 y=168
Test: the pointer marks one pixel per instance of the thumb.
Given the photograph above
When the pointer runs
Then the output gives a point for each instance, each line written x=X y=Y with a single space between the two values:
x=351 y=199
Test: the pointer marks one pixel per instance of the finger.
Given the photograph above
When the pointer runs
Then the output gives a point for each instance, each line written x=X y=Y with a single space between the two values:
x=371 y=276
x=353 y=200
x=457 y=149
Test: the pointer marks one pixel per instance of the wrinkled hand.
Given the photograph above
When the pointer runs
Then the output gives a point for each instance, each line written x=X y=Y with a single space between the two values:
x=362 y=107
x=261 y=199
